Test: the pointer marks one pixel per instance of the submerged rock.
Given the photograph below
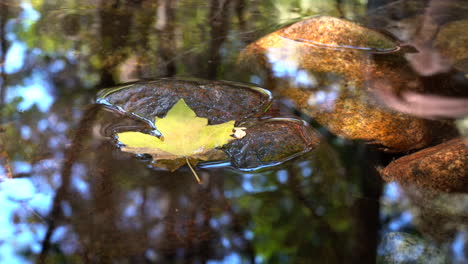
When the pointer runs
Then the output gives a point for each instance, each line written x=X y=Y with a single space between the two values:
x=399 y=247
x=451 y=41
x=443 y=167
x=268 y=141
x=429 y=208
x=353 y=117
x=329 y=68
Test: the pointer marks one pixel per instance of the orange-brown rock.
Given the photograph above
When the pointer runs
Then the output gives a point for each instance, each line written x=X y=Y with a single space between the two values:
x=345 y=62
x=443 y=167
x=327 y=44
x=353 y=117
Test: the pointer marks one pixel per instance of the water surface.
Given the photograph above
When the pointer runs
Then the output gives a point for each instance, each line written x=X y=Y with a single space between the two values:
x=69 y=195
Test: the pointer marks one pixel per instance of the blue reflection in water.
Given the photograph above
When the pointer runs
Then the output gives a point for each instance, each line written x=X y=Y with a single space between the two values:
x=256 y=80
x=57 y=66
x=248 y=234
x=231 y=259
x=15 y=57
x=306 y=79
x=458 y=248
x=391 y=192
x=28 y=15
x=282 y=68
x=133 y=204
x=391 y=196
x=21 y=167
x=282 y=176
x=17 y=236
x=34 y=92
x=405 y=219
x=25 y=132
x=255 y=183
x=78 y=179
x=306 y=170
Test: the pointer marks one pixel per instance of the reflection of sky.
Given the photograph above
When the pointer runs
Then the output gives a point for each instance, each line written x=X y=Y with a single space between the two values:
x=79 y=173
x=287 y=68
x=458 y=247
x=232 y=258
x=391 y=196
x=35 y=89
x=18 y=236
x=391 y=192
x=395 y=206
x=28 y=14
x=405 y=219
x=34 y=92
x=15 y=57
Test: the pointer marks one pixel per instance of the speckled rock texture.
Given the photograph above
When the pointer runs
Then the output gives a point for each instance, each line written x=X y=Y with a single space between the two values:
x=270 y=138
x=443 y=167
x=219 y=101
x=272 y=141
x=354 y=60
x=452 y=42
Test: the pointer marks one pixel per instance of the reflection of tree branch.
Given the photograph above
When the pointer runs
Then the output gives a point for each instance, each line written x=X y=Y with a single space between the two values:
x=218 y=19
x=71 y=154
x=104 y=207
x=9 y=171
x=339 y=8
x=115 y=30
x=294 y=184
x=366 y=211
x=240 y=13
x=3 y=50
x=237 y=219
x=166 y=33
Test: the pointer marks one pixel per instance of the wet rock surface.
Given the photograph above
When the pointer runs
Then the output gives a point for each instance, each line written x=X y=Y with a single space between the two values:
x=353 y=118
x=443 y=167
x=219 y=101
x=272 y=141
x=342 y=64
x=268 y=141
x=327 y=44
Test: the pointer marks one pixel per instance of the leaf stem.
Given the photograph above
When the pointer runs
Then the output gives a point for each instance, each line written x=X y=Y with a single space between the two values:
x=193 y=171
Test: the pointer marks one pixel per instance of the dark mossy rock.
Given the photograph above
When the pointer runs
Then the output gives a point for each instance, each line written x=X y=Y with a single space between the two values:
x=268 y=141
x=330 y=57
x=443 y=167
x=272 y=141
x=219 y=101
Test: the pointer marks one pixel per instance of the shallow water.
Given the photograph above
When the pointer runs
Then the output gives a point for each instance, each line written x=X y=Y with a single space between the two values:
x=69 y=195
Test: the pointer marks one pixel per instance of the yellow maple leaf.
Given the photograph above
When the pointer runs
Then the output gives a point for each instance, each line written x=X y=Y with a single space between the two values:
x=184 y=136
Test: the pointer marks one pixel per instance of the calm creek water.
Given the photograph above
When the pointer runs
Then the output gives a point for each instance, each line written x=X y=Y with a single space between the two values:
x=69 y=195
